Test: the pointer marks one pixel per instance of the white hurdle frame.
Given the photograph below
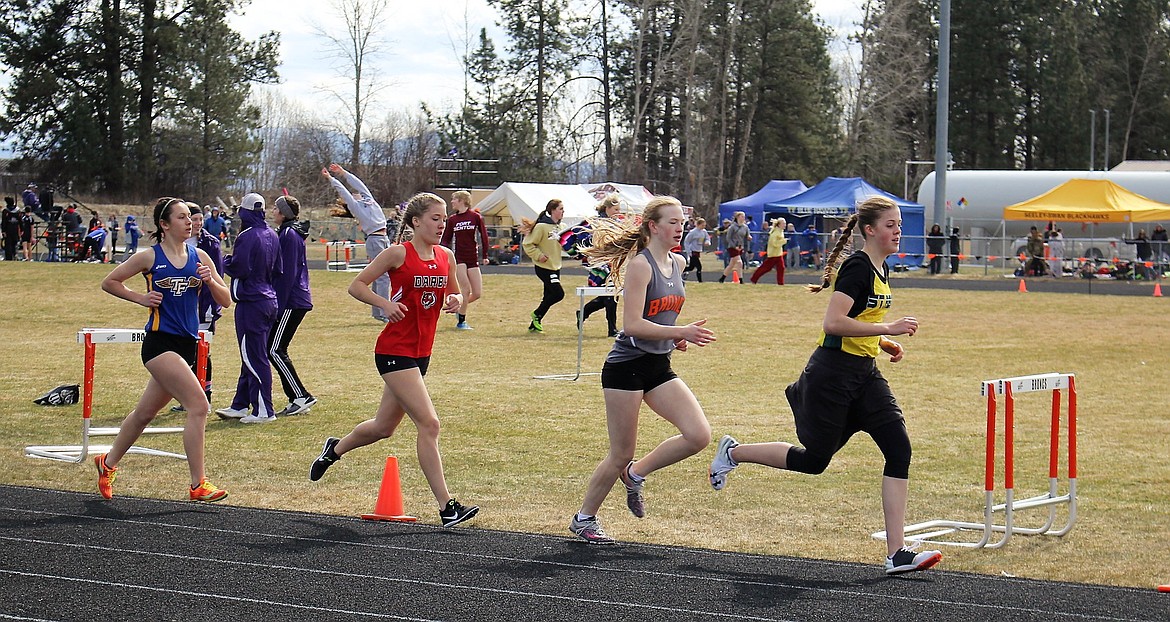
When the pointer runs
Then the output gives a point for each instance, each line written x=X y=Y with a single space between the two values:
x=934 y=530
x=76 y=454
x=582 y=293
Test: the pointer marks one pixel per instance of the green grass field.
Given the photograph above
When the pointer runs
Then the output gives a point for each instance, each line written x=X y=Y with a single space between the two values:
x=523 y=448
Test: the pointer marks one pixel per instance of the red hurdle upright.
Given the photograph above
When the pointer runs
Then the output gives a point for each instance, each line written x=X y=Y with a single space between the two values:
x=934 y=530
x=90 y=337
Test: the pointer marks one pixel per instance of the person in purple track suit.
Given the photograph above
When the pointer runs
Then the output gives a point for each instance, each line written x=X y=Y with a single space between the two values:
x=254 y=264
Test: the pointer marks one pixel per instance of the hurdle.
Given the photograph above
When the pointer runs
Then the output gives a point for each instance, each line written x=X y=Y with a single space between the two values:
x=339 y=257
x=76 y=454
x=935 y=530
x=582 y=293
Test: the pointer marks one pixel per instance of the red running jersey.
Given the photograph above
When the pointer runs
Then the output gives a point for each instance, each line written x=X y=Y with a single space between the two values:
x=422 y=287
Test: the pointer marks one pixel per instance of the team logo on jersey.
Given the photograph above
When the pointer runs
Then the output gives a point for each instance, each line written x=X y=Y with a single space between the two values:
x=428 y=300
x=178 y=285
x=879 y=301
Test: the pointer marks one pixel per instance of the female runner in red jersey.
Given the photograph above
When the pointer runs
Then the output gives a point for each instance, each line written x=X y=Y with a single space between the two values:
x=421 y=288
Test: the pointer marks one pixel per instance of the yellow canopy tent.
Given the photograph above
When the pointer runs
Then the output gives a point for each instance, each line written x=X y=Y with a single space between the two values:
x=1089 y=200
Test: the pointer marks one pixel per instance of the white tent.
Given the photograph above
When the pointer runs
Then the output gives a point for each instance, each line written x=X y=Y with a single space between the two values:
x=514 y=200
x=634 y=197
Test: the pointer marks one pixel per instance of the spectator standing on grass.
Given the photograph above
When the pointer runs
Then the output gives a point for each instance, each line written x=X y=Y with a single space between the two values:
x=52 y=236
x=253 y=265
x=10 y=228
x=638 y=367
x=1035 y=248
x=371 y=219
x=26 y=233
x=775 y=253
x=420 y=277
x=215 y=224
x=934 y=248
x=694 y=243
x=1145 y=254
x=841 y=391
x=294 y=300
x=1056 y=250
x=466 y=235
x=1158 y=240
x=792 y=248
x=542 y=245
x=132 y=235
x=112 y=225
x=175 y=275
x=954 y=240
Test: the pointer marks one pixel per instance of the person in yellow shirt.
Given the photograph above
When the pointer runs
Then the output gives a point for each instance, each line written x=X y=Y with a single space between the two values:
x=542 y=245
x=775 y=258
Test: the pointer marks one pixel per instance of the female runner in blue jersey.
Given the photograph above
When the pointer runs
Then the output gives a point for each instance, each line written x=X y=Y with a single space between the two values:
x=175 y=273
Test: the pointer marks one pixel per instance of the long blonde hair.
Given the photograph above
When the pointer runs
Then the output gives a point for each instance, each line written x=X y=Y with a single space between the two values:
x=868 y=212
x=616 y=242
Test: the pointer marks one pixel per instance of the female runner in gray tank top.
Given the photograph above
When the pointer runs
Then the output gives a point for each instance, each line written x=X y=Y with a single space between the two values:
x=638 y=367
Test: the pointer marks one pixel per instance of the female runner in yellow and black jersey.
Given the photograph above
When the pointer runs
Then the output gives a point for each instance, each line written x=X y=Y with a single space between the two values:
x=841 y=391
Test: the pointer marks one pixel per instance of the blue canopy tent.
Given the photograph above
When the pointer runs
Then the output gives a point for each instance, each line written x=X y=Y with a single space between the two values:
x=753 y=204
x=837 y=197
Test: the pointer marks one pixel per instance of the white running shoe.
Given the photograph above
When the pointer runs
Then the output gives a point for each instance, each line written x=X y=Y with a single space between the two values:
x=231 y=413
x=722 y=464
x=255 y=419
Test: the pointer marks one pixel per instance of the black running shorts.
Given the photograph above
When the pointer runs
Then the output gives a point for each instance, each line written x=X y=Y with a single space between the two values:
x=644 y=373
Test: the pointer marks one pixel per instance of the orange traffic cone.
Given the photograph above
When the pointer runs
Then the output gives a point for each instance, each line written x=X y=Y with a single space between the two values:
x=735 y=276
x=1023 y=288
x=1157 y=290
x=389 y=505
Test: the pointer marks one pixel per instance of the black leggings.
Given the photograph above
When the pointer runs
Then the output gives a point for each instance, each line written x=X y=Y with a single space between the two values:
x=891 y=438
x=553 y=292
x=610 y=306
x=281 y=335
x=695 y=264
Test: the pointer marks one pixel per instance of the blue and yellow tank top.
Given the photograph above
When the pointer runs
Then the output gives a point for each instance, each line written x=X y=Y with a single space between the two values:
x=870 y=291
x=178 y=313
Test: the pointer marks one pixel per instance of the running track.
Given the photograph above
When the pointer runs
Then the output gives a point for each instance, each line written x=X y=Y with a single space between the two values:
x=74 y=556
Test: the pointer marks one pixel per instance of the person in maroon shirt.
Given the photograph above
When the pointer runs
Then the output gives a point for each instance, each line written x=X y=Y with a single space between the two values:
x=466 y=235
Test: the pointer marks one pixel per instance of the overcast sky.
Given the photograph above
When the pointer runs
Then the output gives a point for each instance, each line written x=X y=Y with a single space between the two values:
x=423 y=43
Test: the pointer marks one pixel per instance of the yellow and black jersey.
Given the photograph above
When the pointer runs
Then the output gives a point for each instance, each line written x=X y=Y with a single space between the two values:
x=870 y=291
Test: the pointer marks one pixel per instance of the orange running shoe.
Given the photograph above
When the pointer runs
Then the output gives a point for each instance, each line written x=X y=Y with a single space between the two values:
x=206 y=491
x=105 y=476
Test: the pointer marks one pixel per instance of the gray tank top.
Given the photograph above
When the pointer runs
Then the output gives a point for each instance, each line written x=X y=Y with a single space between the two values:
x=664 y=300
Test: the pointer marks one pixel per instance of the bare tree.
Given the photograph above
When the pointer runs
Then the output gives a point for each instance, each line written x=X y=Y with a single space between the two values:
x=357 y=43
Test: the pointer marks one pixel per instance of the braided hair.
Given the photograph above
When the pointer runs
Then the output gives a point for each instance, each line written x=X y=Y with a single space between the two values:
x=868 y=212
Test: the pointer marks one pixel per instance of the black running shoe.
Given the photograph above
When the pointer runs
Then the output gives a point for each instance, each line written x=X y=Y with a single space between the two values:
x=325 y=460
x=456 y=513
